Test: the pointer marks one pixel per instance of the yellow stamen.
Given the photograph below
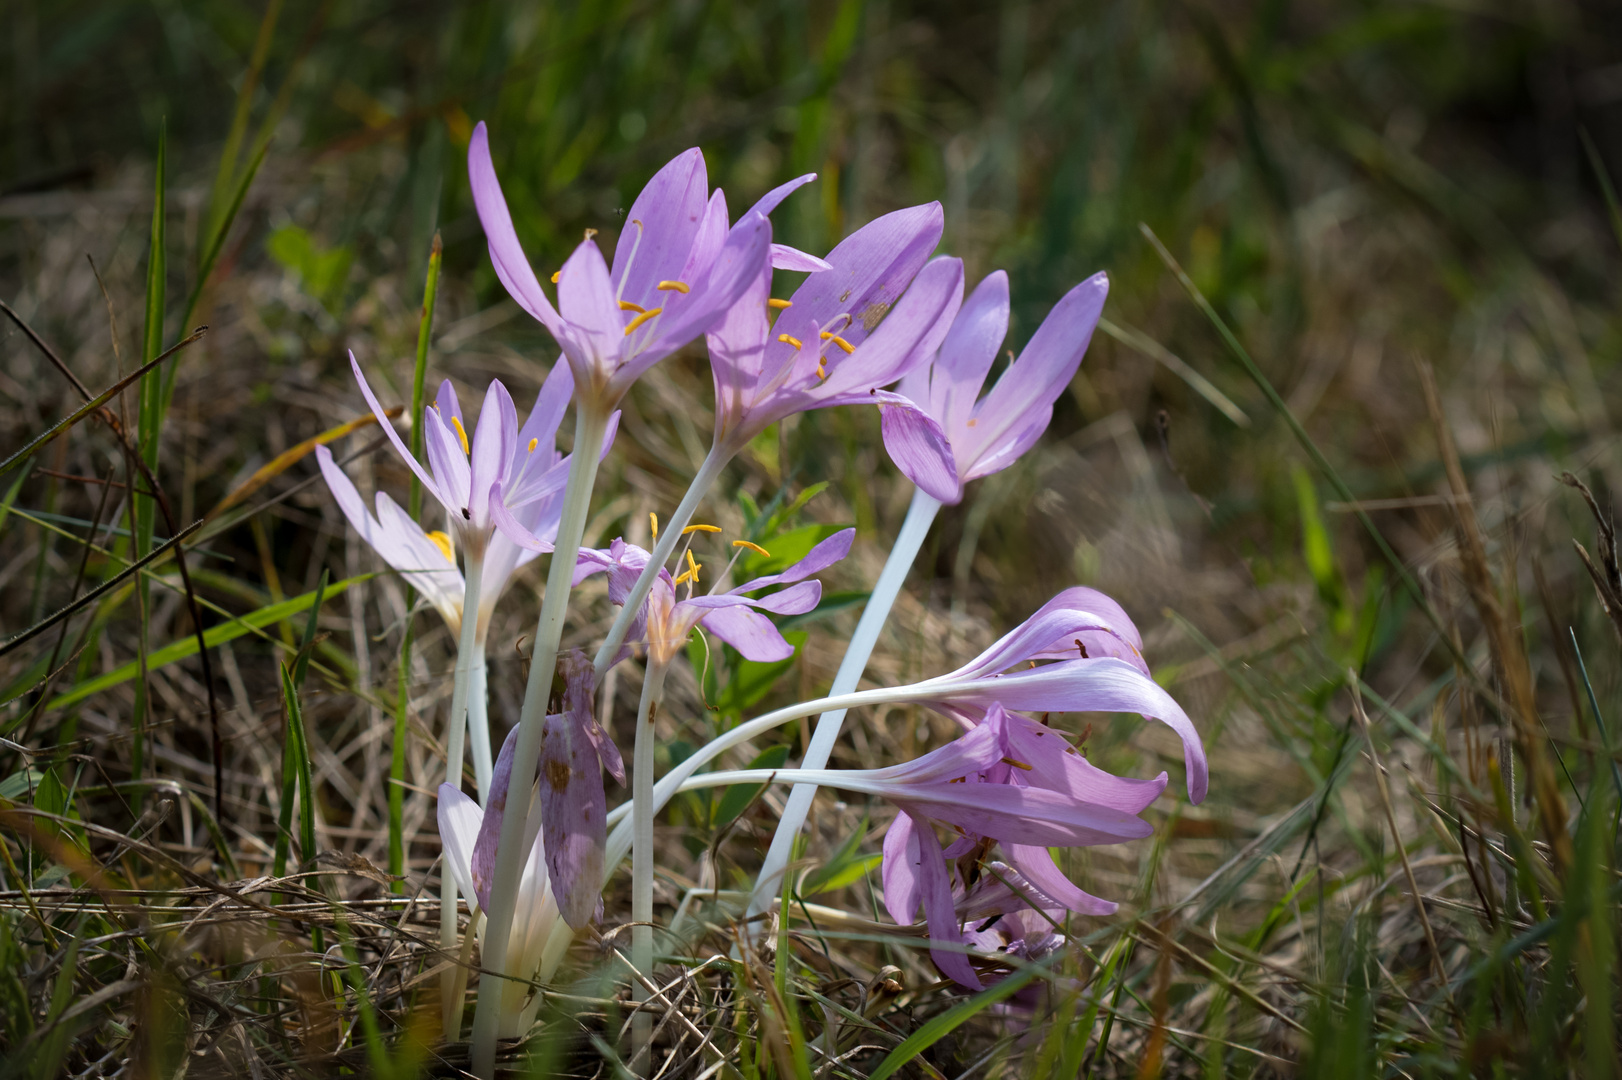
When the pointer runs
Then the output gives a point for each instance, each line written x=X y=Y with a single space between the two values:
x=533 y=443
x=442 y=541
x=591 y=234
x=789 y=339
x=461 y=432
x=822 y=372
x=779 y=304
x=756 y=548
x=653 y=523
x=681 y=579
x=1016 y=764
x=693 y=567
x=674 y=286
x=555 y=275
x=642 y=318
x=841 y=342
x=626 y=305
x=701 y=528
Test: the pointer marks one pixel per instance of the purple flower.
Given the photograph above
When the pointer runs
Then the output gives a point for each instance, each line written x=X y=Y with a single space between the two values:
x=677 y=268
x=980 y=786
x=667 y=618
x=836 y=340
x=935 y=430
x=574 y=808
x=520 y=465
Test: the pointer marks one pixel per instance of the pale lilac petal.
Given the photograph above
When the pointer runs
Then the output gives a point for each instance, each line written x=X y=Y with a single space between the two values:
x=494 y=441
x=737 y=343
x=1035 y=865
x=908 y=336
x=511 y=528
x=774 y=198
x=1015 y=413
x=818 y=559
x=512 y=266
x=1057 y=766
x=935 y=887
x=752 y=634
x=394 y=436
x=459 y=821
x=574 y=807
x=735 y=267
x=967 y=353
x=448 y=403
x=586 y=299
x=1018 y=815
x=968 y=754
x=1103 y=685
x=668 y=210
x=449 y=462
x=797 y=599
x=919 y=448
x=545 y=417
x=899 y=870
x=707 y=243
x=1051 y=633
x=784 y=257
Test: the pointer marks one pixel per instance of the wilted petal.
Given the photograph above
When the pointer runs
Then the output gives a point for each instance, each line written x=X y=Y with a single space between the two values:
x=919 y=448
x=483 y=863
x=574 y=807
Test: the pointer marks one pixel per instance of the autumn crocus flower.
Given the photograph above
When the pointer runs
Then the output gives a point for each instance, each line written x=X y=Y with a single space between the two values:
x=670 y=613
x=935 y=430
x=836 y=339
x=463 y=471
x=677 y=267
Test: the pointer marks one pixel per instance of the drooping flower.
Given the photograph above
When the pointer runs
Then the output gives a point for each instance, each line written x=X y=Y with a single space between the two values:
x=522 y=465
x=837 y=339
x=668 y=617
x=574 y=807
x=677 y=268
x=462 y=826
x=935 y=430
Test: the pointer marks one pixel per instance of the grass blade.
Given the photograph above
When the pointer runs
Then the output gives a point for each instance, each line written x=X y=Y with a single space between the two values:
x=943 y=1025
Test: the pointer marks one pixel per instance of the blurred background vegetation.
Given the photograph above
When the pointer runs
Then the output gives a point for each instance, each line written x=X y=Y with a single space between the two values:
x=1356 y=185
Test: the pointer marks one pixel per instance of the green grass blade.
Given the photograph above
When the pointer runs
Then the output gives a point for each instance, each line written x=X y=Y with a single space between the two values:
x=397 y=765
x=219 y=223
x=216 y=243
x=223 y=632
x=425 y=325
x=937 y=1028
x=1603 y=175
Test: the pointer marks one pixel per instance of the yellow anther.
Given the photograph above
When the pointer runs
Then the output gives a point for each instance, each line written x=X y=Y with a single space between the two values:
x=779 y=304
x=693 y=567
x=461 y=432
x=591 y=234
x=822 y=372
x=642 y=318
x=681 y=579
x=841 y=342
x=653 y=523
x=701 y=528
x=626 y=305
x=756 y=548
x=1016 y=764
x=555 y=275
x=674 y=286
x=442 y=541
x=789 y=339
x=533 y=443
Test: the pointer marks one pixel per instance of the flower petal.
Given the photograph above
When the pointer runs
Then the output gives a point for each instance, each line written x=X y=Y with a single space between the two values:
x=899 y=871
x=784 y=257
x=751 y=633
x=512 y=266
x=574 y=807
x=513 y=529
x=483 y=862
x=1056 y=766
x=819 y=558
x=668 y=211
x=586 y=299
x=967 y=353
x=494 y=441
x=919 y=448
x=459 y=821
x=545 y=417
x=1036 y=865
x=1101 y=624
x=394 y=436
x=1016 y=411
x=935 y=887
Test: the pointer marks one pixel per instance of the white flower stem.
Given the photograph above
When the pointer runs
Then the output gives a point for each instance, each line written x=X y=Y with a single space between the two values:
x=653 y=684
x=669 y=537
x=456 y=727
x=590 y=422
x=920 y=515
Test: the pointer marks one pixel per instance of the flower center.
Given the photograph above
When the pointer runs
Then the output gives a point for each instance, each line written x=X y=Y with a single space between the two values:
x=442 y=541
